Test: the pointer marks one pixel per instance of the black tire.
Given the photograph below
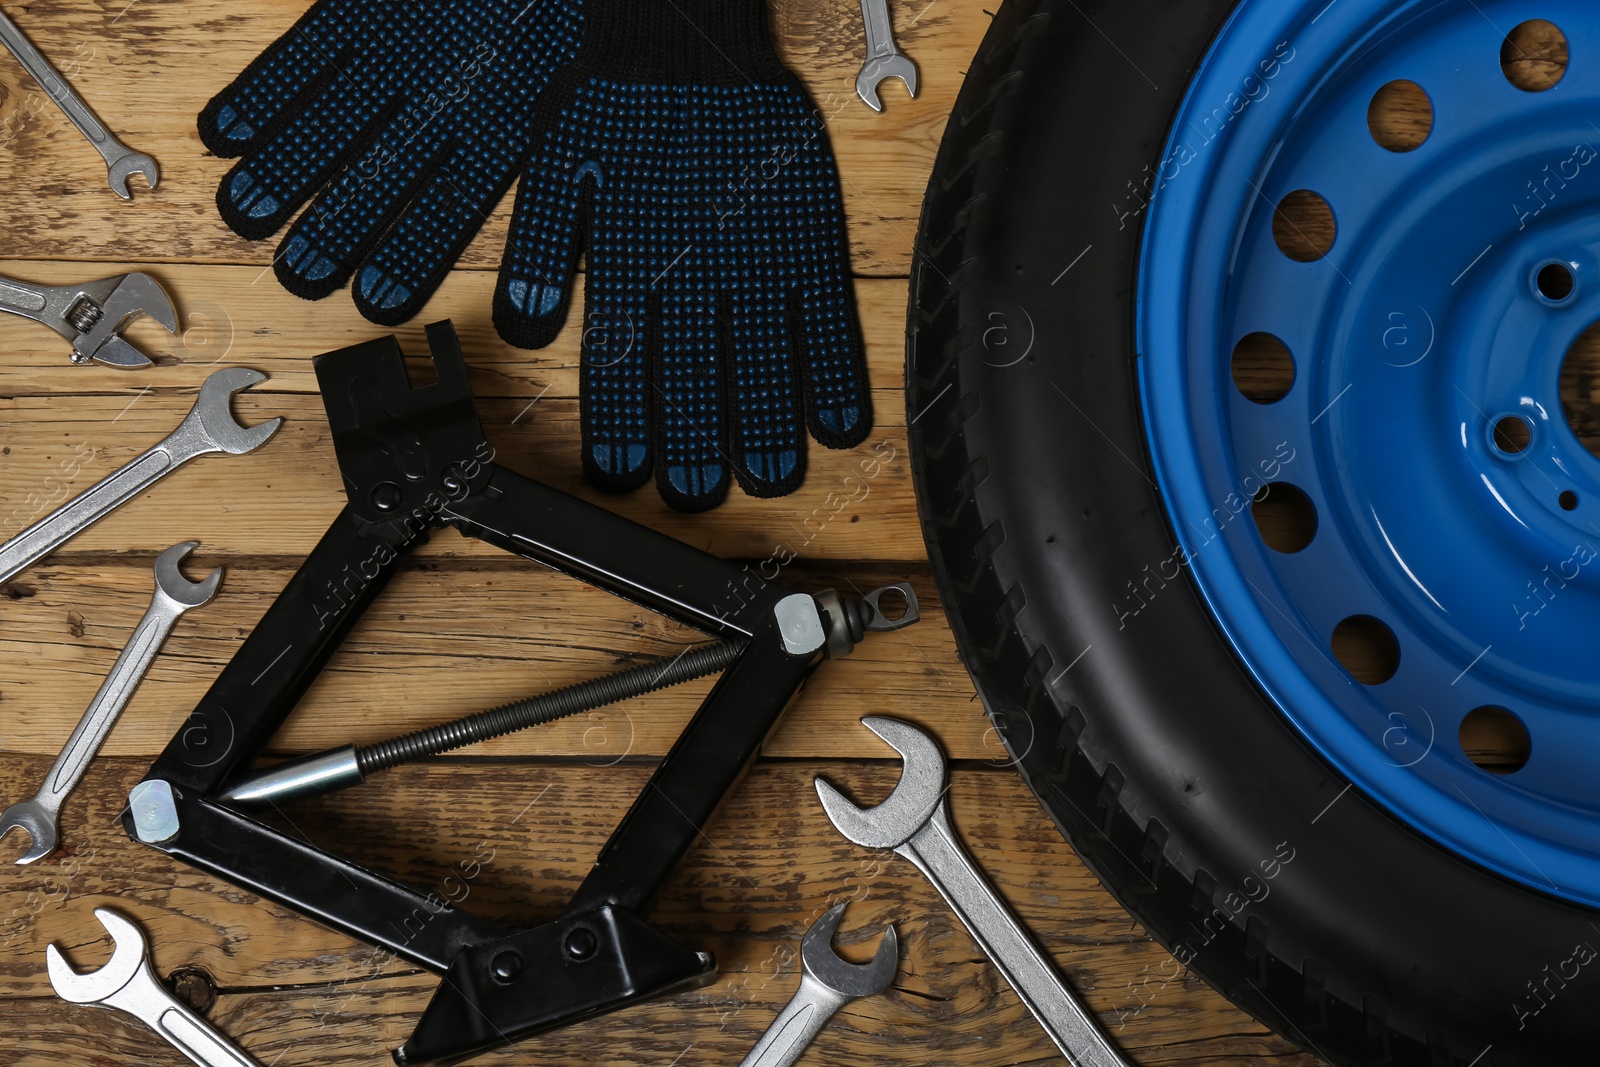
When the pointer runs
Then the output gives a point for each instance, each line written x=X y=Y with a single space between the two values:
x=1166 y=768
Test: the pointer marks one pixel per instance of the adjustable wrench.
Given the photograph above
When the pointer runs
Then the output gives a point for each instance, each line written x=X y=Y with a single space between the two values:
x=884 y=58
x=93 y=314
x=121 y=161
x=915 y=822
x=174 y=595
x=209 y=427
x=129 y=985
x=827 y=984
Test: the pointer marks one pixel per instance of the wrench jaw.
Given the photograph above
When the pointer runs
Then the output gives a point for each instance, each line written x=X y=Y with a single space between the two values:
x=852 y=980
x=918 y=793
x=95 y=987
x=134 y=295
x=877 y=71
x=214 y=410
x=173 y=585
x=133 y=163
x=39 y=824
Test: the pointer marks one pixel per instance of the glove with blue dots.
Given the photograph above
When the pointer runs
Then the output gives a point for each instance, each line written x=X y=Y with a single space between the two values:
x=406 y=120
x=719 y=318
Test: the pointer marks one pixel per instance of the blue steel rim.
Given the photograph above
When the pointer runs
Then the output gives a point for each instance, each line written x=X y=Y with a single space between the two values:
x=1421 y=328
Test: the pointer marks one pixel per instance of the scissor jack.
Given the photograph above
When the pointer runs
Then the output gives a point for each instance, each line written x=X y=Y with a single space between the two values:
x=415 y=459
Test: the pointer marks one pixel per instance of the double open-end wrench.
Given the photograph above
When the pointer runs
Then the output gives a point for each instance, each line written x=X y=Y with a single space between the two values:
x=121 y=161
x=93 y=314
x=827 y=983
x=209 y=427
x=174 y=595
x=884 y=58
x=915 y=822
x=129 y=985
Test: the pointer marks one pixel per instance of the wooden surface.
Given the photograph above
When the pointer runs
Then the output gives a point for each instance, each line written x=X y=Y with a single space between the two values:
x=468 y=627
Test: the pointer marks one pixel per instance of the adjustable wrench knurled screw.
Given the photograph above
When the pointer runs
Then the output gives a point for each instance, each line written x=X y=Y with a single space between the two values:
x=209 y=427
x=129 y=985
x=827 y=984
x=121 y=161
x=174 y=595
x=915 y=822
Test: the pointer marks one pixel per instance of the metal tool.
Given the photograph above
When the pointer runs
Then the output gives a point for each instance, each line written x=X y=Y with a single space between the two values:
x=827 y=984
x=209 y=427
x=174 y=595
x=93 y=314
x=413 y=459
x=915 y=822
x=129 y=985
x=121 y=161
x=884 y=58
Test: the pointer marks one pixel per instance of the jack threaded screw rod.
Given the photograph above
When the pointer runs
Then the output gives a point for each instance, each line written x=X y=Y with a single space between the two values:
x=340 y=768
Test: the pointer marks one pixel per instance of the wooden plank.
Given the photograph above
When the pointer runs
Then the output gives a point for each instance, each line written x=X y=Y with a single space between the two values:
x=451 y=636
x=150 y=68
x=293 y=992
x=56 y=447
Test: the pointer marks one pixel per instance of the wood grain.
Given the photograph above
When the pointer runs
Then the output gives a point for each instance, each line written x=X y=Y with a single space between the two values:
x=293 y=992
x=149 y=67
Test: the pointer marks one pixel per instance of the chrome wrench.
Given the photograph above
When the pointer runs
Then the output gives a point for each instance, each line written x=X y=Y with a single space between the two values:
x=174 y=595
x=129 y=985
x=93 y=314
x=884 y=58
x=209 y=427
x=827 y=983
x=915 y=822
x=121 y=161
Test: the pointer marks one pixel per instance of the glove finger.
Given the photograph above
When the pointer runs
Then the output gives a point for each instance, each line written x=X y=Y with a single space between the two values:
x=247 y=113
x=549 y=229
x=263 y=190
x=827 y=327
x=615 y=372
x=691 y=387
x=764 y=395
x=344 y=222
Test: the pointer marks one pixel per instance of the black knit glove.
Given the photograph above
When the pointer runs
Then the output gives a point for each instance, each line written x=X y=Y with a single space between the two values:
x=694 y=168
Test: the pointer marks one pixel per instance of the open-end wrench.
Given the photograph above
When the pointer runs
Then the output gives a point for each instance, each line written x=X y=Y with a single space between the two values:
x=884 y=58
x=174 y=595
x=209 y=427
x=121 y=161
x=93 y=314
x=129 y=985
x=827 y=983
x=915 y=822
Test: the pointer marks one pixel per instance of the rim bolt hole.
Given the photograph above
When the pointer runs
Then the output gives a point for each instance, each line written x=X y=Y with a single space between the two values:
x=1285 y=517
x=1569 y=501
x=1263 y=368
x=1304 y=226
x=1535 y=55
x=1367 y=648
x=1512 y=435
x=1555 y=282
x=1400 y=117
x=1495 y=740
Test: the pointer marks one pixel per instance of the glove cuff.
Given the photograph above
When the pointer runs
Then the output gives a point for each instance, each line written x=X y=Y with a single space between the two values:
x=681 y=42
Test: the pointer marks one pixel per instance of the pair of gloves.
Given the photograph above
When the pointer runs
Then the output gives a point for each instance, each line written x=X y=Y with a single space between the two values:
x=663 y=137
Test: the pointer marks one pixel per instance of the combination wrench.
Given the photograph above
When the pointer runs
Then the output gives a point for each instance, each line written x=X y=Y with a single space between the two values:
x=174 y=595
x=129 y=985
x=884 y=58
x=92 y=315
x=121 y=161
x=209 y=427
x=827 y=983
x=915 y=823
